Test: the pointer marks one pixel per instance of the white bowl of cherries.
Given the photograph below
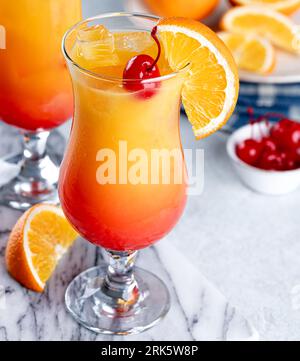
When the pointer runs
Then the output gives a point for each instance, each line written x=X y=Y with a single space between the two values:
x=266 y=155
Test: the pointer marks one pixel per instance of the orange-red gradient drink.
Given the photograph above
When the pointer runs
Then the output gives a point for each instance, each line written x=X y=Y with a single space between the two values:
x=35 y=89
x=120 y=216
x=126 y=212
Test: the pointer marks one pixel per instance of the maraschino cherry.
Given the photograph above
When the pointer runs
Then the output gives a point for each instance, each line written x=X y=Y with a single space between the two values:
x=286 y=133
x=249 y=151
x=267 y=143
x=142 y=67
x=289 y=160
x=278 y=150
x=270 y=160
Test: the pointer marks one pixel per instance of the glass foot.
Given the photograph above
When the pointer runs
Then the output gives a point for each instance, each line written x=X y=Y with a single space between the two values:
x=92 y=308
x=37 y=179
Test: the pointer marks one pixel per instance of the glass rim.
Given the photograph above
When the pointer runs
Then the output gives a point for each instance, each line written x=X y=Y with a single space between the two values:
x=107 y=77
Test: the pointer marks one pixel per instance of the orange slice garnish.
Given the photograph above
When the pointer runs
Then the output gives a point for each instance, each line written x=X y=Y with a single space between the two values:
x=210 y=89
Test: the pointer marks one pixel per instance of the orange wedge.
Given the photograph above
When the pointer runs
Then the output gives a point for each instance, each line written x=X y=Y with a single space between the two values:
x=37 y=242
x=263 y=21
x=284 y=6
x=250 y=52
x=210 y=89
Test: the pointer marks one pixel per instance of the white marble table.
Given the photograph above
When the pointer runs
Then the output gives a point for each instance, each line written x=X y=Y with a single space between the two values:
x=198 y=310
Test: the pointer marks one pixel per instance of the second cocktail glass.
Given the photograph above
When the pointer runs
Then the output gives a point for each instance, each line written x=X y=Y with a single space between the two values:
x=35 y=91
x=115 y=188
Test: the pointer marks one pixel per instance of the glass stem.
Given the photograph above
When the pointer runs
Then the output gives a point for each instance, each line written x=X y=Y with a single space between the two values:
x=38 y=176
x=120 y=285
x=35 y=145
x=33 y=154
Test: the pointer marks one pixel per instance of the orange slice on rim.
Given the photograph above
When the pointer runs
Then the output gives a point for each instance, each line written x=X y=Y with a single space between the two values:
x=210 y=89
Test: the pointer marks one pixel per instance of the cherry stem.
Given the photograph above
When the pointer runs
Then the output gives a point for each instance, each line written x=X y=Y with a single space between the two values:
x=266 y=118
x=154 y=36
x=250 y=112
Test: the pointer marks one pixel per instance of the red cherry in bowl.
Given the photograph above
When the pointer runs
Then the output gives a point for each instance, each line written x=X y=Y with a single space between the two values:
x=289 y=160
x=140 y=68
x=278 y=150
x=297 y=155
x=291 y=138
x=268 y=143
x=270 y=160
x=249 y=151
x=280 y=130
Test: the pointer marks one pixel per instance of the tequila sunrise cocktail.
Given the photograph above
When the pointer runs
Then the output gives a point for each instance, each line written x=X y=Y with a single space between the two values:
x=123 y=180
x=113 y=139
x=35 y=88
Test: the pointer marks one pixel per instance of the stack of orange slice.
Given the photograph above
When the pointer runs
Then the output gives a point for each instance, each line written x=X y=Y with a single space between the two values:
x=251 y=32
x=252 y=53
x=283 y=6
x=279 y=29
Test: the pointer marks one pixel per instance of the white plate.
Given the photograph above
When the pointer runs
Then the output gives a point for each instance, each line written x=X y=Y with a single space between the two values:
x=288 y=65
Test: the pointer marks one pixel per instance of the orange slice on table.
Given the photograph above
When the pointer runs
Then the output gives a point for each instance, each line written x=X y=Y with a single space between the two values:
x=284 y=6
x=210 y=89
x=250 y=52
x=265 y=22
x=37 y=242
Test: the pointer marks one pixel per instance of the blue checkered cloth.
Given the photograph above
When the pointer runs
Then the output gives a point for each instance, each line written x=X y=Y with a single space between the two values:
x=263 y=98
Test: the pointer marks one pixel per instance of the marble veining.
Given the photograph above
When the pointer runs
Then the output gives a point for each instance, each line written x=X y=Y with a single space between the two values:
x=198 y=311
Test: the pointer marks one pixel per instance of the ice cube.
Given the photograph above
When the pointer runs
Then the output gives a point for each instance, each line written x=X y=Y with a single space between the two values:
x=136 y=42
x=94 y=47
x=94 y=33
